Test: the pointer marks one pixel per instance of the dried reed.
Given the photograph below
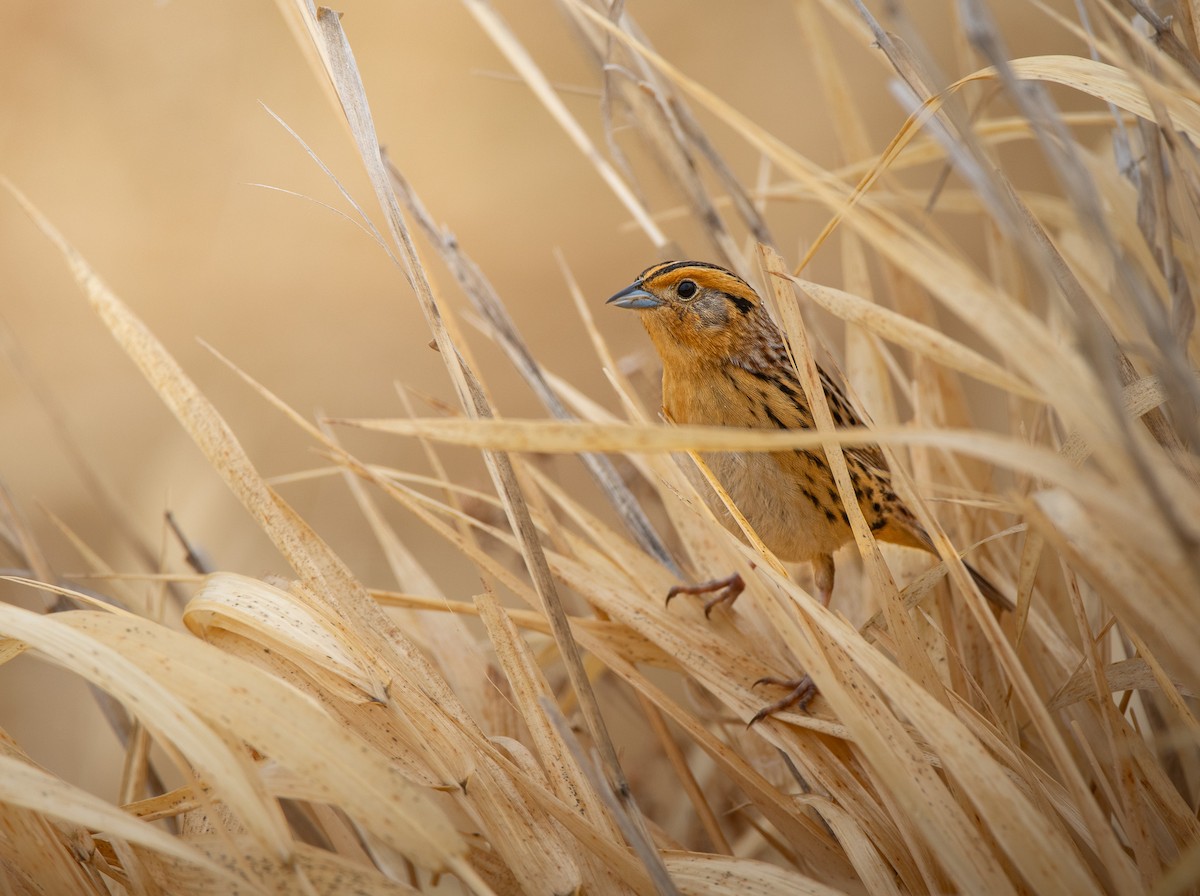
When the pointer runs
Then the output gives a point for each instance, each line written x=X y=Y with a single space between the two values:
x=320 y=737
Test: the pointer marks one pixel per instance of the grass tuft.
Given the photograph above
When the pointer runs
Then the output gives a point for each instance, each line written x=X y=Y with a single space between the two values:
x=579 y=735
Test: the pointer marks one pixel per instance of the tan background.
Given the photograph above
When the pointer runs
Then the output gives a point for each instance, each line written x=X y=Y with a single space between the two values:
x=138 y=129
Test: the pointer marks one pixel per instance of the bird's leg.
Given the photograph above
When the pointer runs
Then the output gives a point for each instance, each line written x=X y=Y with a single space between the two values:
x=802 y=690
x=822 y=567
x=727 y=590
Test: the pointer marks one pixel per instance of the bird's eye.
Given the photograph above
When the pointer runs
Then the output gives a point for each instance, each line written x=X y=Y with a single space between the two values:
x=686 y=289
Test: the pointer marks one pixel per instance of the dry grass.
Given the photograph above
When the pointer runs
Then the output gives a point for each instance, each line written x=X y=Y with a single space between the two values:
x=315 y=736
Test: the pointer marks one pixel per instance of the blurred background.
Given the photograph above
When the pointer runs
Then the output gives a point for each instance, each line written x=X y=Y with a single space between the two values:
x=141 y=130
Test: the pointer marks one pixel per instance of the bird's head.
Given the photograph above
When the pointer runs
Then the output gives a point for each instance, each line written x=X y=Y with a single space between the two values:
x=693 y=309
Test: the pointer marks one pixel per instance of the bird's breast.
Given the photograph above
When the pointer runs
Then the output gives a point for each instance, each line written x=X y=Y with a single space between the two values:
x=787 y=511
x=785 y=496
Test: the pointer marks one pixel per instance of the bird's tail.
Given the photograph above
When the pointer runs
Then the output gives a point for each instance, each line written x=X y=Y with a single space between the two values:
x=990 y=591
x=911 y=534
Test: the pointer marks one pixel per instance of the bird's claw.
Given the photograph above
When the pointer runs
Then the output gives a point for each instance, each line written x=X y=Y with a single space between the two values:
x=801 y=693
x=727 y=590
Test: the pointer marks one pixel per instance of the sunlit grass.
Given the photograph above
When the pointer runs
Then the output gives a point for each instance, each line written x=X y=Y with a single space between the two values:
x=586 y=737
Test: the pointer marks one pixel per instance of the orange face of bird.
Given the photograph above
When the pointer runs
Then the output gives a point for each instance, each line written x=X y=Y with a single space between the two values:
x=691 y=307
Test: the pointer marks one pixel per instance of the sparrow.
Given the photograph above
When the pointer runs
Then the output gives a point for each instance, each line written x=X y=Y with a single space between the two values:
x=725 y=364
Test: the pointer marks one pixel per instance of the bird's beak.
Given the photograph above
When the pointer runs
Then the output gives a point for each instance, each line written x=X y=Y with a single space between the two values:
x=634 y=297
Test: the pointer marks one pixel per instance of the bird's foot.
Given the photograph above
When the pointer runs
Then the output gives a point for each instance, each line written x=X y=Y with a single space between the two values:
x=728 y=589
x=802 y=690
